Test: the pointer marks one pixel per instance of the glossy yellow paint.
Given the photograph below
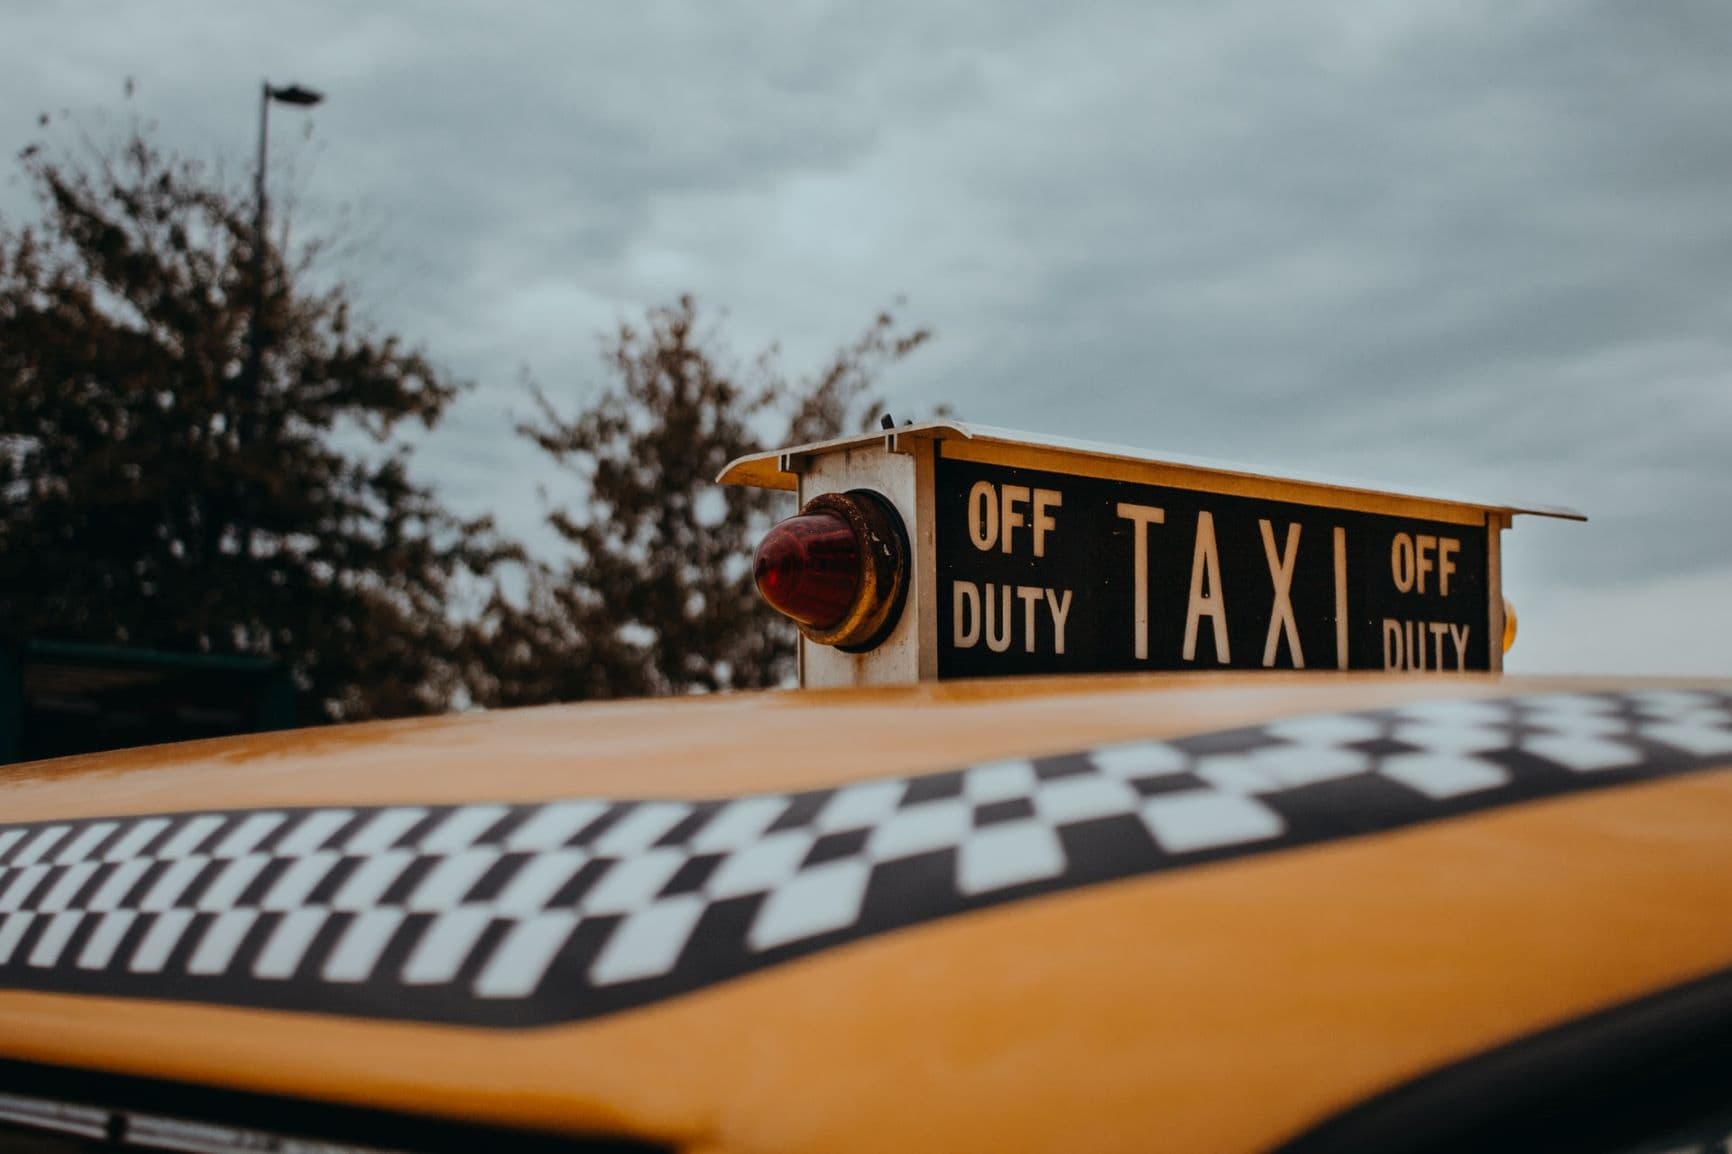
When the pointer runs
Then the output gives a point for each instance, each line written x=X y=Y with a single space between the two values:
x=1219 y=1008
x=700 y=747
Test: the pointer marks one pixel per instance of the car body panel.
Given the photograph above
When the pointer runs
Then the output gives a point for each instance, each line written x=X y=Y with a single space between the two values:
x=1226 y=1006
x=725 y=744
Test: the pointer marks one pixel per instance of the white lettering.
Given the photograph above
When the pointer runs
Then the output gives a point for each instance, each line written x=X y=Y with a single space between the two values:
x=1010 y=518
x=1393 y=653
x=1060 y=612
x=1206 y=562
x=1406 y=645
x=997 y=619
x=1281 y=614
x=1141 y=517
x=1425 y=546
x=1447 y=548
x=982 y=516
x=964 y=594
x=1459 y=636
x=1044 y=523
x=1340 y=598
x=1401 y=562
x=1030 y=595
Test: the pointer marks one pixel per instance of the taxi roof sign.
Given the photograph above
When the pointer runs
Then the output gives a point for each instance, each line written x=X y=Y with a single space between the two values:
x=778 y=469
x=1035 y=554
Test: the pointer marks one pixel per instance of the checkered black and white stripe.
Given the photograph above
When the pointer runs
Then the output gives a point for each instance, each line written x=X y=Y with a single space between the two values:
x=520 y=914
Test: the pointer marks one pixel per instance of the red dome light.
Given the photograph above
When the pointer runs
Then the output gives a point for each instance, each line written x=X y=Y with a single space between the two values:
x=839 y=569
x=808 y=567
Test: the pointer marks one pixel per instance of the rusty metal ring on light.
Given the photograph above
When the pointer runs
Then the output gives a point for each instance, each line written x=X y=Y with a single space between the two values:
x=883 y=569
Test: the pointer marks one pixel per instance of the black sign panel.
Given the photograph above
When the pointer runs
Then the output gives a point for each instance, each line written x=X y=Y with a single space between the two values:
x=1051 y=573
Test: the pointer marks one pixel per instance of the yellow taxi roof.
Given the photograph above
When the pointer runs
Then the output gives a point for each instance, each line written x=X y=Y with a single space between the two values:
x=1015 y=915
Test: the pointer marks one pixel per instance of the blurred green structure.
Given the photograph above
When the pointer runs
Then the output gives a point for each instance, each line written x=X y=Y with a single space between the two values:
x=59 y=698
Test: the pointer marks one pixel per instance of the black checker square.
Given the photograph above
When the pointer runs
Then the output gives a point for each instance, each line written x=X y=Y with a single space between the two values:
x=1160 y=783
x=933 y=787
x=831 y=846
x=1010 y=809
x=520 y=915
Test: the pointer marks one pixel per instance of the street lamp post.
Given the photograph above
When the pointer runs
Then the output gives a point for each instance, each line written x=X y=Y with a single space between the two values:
x=301 y=97
x=291 y=94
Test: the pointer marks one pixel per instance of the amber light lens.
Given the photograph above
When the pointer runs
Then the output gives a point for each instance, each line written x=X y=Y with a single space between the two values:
x=808 y=567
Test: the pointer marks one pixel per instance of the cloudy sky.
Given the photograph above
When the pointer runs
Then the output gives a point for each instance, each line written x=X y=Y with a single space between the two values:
x=1477 y=246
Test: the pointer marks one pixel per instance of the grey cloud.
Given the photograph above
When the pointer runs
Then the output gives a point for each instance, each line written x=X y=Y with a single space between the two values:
x=1476 y=246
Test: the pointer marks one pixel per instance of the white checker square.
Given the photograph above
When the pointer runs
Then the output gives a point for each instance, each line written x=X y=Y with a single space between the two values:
x=1442 y=737
x=1570 y=704
x=1668 y=703
x=552 y=826
x=221 y=939
x=1206 y=819
x=445 y=945
x=115 y=886
x=1444 y=775
x=818 y=900
x=159 y=941
x=13 y=926
x=1007 y=854
x=1583 y=753
x=38 y=846
x=1083 y=798
x=1699 y=739
x=930 y=825
x=761 y=866
x=366 y=887
x=171 y=883
x=10 y=838
x=287 y=944
x=1575 y=724
x=1136 y=759
x=518 y=964
x=448 y=882
x=633 y=881
x=649 y=941
x=247 y=834
x=998 y=781
x=105 y=939
x=461 y=828
x=312 y=831
x=1238 y=772
x=1297 y=765
x=1457 y=711
x=382 y=831
x=290 y=890
x=357 y=950
x=738 y=824
x=23 y=882
x=60 y=929
x=80 y=846
x=639 y=829
x=538 y=880
x=127 y=846
x=231 y=881
x=1712 y=718
x=860 y=805
x=66 y=887
x=1325 y=729
x=189 y=835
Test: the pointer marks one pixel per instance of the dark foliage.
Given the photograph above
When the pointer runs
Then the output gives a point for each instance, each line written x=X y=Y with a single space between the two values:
x=659 y=597
x=152 y=492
